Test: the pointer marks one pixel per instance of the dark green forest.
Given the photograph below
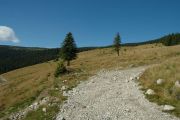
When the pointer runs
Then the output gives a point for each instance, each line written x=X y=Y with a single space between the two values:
x=168 y=40
x=16 y=57
x=13 y=57
x=172 y=39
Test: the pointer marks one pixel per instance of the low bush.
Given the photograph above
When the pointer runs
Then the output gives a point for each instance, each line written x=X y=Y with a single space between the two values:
x=61 y=69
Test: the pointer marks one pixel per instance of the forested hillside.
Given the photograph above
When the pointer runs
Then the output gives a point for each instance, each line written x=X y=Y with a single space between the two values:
x=17 y=57
x=13 y=57
x=168 y=40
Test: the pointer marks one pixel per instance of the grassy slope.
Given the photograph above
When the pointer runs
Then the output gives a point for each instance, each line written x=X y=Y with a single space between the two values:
x=24 y=85
x=166 y=93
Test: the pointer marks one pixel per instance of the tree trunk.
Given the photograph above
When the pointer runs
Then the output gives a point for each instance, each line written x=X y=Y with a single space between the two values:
x=68 y=63
x=118 y=52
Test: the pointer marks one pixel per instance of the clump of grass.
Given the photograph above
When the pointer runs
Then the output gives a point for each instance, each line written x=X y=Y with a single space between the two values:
x=166 y=93
x=40 y=115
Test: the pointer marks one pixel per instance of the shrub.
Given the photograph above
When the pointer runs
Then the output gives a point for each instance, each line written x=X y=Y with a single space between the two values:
x=61 y=69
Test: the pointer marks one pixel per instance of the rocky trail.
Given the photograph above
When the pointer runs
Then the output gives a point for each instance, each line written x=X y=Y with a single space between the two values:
x=111 y=95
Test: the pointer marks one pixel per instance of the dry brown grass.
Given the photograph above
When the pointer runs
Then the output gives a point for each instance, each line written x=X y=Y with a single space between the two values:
x=166 y=93
x=28 y=82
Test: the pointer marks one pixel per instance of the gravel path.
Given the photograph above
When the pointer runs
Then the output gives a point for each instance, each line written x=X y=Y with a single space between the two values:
x=111 y=95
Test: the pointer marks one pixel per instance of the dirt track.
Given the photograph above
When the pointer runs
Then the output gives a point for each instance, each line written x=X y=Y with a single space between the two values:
x=111 y=95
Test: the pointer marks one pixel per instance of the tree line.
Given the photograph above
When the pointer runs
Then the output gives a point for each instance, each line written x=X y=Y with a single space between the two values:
x=13 y=57
x=171 y=39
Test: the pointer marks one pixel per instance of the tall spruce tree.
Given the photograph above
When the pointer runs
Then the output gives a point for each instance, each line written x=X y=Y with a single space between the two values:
x=117 y=43
x=68 y=50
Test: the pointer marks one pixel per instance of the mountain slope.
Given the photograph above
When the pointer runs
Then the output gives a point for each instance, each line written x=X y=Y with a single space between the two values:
x=13 y=57
x=24 y=85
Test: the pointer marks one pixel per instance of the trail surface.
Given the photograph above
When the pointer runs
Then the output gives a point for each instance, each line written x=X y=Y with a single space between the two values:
x=111 y=95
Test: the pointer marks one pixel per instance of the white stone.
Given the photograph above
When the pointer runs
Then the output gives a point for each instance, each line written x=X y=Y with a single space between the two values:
x=177 y=83
x=44 y=109
x=137 y=78
x=150 y=92
x=65 y=93
x=131 y=78
x=43 y=101
x=63 y=88
x=64 y=81
x=168 y=108
x=160 y=81
x=114 y=78
x=36 y=103
x=34 y=106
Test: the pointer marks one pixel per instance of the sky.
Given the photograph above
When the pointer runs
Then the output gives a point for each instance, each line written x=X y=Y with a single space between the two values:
x=45 y=23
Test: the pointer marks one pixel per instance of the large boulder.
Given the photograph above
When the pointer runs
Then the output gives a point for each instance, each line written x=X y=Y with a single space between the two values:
x=150 y=92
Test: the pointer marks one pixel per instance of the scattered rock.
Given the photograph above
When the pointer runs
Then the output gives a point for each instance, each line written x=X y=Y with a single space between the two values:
x=115 y=78
x=44 y=101
x=177 y=84
x=103 y=102
x=64 y=81
x=34 y=106
x=65 y=93
x=131 y=78
x=150 y=92
x=137 y=78
x=160 y=81
x=168 y=108
x=63 y=88
x=44 y=109
x=20 y=114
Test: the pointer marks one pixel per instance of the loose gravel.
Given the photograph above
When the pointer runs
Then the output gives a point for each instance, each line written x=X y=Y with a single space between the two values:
x=111 y=95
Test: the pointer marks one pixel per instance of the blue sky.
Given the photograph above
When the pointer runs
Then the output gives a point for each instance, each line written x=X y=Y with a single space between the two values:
x=44 y=23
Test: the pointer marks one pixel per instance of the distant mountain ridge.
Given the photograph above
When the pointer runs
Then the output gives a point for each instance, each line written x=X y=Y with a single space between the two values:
x=168 y=40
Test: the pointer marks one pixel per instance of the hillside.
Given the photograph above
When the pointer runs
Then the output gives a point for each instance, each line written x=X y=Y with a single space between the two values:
x=167 y=40
x=13 y=57
x=35 y=82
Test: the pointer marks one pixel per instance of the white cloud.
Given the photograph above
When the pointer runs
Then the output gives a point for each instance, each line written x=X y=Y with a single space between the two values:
x=8 y=34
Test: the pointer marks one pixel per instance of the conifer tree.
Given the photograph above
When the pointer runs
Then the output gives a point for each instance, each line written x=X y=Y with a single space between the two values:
x=68 y=50
x=117 y=43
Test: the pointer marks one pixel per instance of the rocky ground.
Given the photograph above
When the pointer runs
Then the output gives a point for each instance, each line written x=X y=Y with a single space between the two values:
x=111 y=95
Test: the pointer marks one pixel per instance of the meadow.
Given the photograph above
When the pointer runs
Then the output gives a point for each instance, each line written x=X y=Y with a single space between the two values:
x=33 y=83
